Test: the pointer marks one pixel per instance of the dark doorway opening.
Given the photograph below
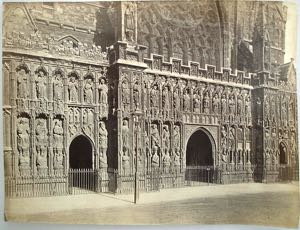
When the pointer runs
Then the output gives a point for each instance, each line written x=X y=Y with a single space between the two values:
x=282 y=153
x=81 y=173
x=199 y=159
x=80 y=153
x=199 y=150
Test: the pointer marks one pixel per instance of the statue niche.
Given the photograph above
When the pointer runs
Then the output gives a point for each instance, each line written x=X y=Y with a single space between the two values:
x=103 y=100
x=166 y=103
x=41 y=145
x=125 y=96
x=88 y=90
x=23 y=88
x=155 y=145
x=136 y=96
x=41 y=83
x=154 y=101
x=58 y=143
x=125 y=148
x=58 y=86
x=73 y=87
x=129 y=22
x=23 y=141
x=102 y=144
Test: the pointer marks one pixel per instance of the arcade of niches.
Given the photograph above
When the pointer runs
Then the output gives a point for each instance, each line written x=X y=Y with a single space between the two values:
x=145 y=95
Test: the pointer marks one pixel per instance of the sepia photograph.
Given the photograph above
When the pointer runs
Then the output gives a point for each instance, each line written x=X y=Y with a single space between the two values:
x=150 y=112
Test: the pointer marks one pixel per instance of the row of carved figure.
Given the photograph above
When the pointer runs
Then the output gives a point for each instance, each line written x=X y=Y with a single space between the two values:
x=161 y=101
x=42 y=143
x=158 y=147
x=42 y=84
x=65 y=46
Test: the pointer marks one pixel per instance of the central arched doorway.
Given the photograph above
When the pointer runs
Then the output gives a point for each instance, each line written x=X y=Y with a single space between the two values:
x=80 y=153
x=81 y=174
x=199 y=157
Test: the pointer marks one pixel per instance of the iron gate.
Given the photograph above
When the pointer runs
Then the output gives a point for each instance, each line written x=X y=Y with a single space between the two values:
x=155 y=177
x=82 y=181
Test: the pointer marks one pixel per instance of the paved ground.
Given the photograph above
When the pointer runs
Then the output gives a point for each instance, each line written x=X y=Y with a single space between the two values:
x=260 y=204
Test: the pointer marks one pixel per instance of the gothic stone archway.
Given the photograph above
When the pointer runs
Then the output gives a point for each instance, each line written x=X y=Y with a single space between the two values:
x=199 y=156
x=81 y=174
x=199 y=149
x=81 y=153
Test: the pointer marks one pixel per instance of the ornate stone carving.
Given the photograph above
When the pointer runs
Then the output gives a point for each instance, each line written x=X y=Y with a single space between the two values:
x=88 y=121
x=196 y=103
x=125 y=96
x=73 y=88
x=58 y=144
x=129 y=21
x=41 y=144
x=166 y=140
x=23 y=143
x=154 y=101
x=103 y=99
x=206 y=102
x=216 y=104
x=136 y=96
x=176 y=138
x=88 y=91
x=125 y=138
x=186 y=101
x=22 y=83
x=166 y=103
x=102 y=144
x=58 y=86
x=41 y=84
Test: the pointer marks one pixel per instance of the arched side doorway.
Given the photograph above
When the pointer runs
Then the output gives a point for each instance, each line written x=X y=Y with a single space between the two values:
x=81 y=153
x=282 y=153
x=199 y=157
x=81 y=174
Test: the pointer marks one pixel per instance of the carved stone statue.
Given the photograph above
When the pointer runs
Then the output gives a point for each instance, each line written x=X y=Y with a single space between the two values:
x=23 y=142
x=216 y=104
x=166 y=102
x=176 y=138
x=186 y=101
x=136 y=96
x=73 y=89
x=41 y=85
x=125 y=137
x=58 y=144
x=176 y=99
x=102 y=139
x=155 y=157
x=22 y=80
x=88 y=91
x=41 y=144
x=166 y=140
x=223 y=105
x=206 y=103
x=155 y=137
x=154 y=100
x=231 y=141
x=129 y=21
x=102 y=143
x=239 y=109
x=103 y=91
x=196 y=103
x=58 y=87
x=125 y=96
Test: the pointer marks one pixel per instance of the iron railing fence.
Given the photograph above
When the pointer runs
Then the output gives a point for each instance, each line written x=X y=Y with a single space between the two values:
x=83 y=181
x=202 y=175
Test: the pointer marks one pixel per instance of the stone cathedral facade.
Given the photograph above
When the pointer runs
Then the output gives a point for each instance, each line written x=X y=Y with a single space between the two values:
x=143 y=85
